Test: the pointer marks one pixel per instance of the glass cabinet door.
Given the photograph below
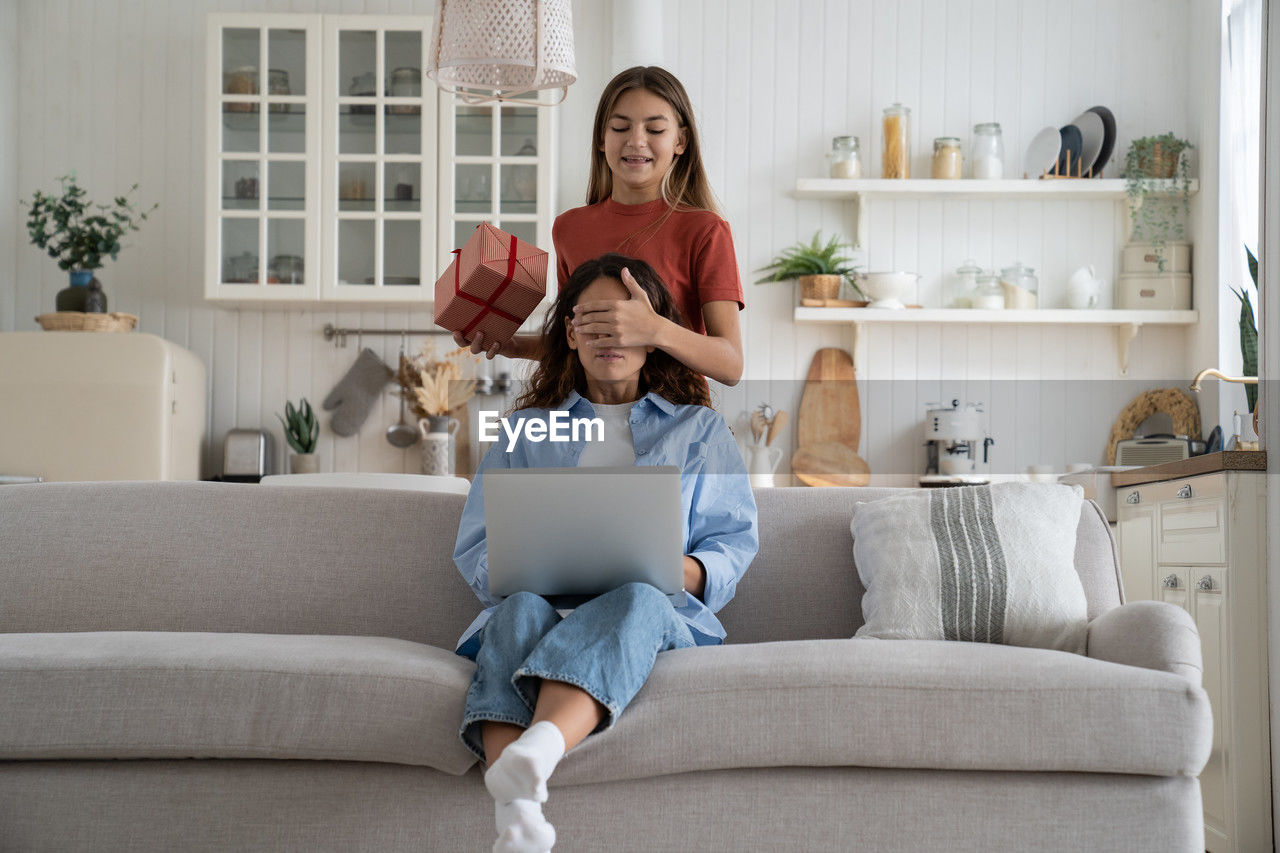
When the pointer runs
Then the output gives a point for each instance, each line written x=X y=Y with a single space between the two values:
x=498 y=171
x=381 y=159
x=263 y=174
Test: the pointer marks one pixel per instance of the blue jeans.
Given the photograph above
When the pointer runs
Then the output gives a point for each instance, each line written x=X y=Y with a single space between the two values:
x=606 y=646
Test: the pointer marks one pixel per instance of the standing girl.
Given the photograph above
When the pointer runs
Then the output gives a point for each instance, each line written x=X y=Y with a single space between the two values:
x=648 y=197
x=545 y=681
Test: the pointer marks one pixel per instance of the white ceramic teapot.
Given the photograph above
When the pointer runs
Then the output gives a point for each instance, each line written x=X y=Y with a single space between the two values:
x=1084 y=288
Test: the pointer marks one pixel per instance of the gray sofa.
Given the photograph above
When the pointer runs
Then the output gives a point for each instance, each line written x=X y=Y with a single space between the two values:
x=198 y=666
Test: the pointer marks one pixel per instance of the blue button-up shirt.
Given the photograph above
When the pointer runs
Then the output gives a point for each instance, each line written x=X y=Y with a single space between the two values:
x=719 y=510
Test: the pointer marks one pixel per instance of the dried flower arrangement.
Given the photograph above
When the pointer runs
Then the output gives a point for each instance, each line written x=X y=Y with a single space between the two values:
x=432 y=386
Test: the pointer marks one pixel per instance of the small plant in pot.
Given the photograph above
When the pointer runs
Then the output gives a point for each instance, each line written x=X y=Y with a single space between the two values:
x=820 y=268
x=1158 y=218
x=79 y=234
x=302 y=431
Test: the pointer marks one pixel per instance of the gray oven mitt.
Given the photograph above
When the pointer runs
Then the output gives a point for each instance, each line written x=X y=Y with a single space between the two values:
x=354 y=394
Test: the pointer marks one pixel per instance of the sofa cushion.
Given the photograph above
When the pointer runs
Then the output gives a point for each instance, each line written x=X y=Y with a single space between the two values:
x=993 y=564
x=140 y=694
x=898 y=703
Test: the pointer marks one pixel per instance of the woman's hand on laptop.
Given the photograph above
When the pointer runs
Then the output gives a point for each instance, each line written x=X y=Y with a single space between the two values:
x=695 y=577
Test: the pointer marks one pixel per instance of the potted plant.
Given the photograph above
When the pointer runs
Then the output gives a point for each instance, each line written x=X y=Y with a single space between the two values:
x=78 y=233
x=1158 y=218
x=820 y=268
x=302 y=431
x=434 y=388
x=1249 y=337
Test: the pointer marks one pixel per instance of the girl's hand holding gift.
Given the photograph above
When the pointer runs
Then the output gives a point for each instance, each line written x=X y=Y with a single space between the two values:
x=620 y=323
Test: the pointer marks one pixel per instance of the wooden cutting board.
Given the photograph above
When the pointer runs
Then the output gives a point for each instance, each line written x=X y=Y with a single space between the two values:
x=829 y=407
x=829 y=463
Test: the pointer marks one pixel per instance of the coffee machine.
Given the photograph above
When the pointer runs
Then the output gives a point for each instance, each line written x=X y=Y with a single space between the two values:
x=957 y=447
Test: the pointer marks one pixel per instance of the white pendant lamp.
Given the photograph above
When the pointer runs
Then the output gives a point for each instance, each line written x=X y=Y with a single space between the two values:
x=494 y=50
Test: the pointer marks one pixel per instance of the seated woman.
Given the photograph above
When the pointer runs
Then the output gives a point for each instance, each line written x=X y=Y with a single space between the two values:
x=544 y=682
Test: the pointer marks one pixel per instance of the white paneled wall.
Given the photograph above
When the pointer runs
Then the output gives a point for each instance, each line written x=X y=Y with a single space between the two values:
x=114 y=90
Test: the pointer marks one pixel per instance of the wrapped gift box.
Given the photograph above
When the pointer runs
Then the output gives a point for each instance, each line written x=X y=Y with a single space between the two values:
x=492 y=285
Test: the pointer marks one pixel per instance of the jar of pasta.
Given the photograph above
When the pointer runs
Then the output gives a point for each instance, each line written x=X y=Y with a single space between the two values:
x=846 y=158
x=946 y=157
x=895 y=162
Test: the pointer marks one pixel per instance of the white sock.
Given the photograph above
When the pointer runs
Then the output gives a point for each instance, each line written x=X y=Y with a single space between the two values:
x=522 y=771
x=522 y=828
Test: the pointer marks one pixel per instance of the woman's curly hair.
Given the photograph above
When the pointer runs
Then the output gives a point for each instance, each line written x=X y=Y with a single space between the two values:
x=559 y=371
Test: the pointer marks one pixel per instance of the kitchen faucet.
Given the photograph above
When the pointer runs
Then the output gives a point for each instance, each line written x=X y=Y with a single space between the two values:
x=1244 y=380
x=1213 y=371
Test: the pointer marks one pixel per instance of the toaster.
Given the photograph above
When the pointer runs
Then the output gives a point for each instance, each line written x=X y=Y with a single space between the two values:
x=1151 y=450
x=246 y=455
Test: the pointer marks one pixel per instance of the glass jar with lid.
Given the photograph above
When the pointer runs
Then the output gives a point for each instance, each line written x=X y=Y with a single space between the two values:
x=1020 y=286
x=964 y=285
x=895 y=158
x=846 y=157
x=987 y=154
x=946 y=157
x=988 y=295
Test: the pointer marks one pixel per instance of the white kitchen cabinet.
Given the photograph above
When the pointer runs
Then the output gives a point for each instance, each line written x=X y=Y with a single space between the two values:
x=334 y=171
x=1198 y=543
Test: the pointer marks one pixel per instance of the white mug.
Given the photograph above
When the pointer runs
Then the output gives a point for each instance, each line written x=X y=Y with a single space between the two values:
x=1084 y=288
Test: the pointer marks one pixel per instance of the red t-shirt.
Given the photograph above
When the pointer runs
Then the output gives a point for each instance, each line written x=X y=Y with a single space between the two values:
x=692 y=250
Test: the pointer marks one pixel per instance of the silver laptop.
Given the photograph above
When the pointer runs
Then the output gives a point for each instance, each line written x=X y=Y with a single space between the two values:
x=584 y=531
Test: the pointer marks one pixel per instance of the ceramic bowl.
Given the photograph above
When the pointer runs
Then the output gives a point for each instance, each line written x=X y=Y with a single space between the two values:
x=887 y=289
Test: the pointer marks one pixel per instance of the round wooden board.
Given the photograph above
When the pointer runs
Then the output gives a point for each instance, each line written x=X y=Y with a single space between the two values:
x=829 y=463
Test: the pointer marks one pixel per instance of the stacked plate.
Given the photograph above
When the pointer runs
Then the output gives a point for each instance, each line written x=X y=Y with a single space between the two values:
x=1079 y=149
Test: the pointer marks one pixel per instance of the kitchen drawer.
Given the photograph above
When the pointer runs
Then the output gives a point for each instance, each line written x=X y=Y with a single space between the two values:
x=1193 y=531
x=1203 y=486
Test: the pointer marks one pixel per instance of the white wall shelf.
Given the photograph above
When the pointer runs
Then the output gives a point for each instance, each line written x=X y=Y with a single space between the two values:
x=862 y=191
x=1112 y=189
x=1126 y=323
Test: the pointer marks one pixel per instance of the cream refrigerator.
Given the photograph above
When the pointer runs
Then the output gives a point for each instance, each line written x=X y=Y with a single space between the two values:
x=99 y=406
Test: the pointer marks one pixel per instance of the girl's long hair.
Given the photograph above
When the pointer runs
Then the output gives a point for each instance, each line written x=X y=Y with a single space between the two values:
x=559 y=371
x=685 y=185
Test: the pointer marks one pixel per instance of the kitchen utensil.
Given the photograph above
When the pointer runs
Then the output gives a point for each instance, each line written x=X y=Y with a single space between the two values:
x=887 y=289
x=1042 y=153
x=758 y=425
x=1072 y=142
x=830 y=463
x=1092 y=134
x=829 y=408
x=775 y=428
x=1108 y=138
x=401 y=434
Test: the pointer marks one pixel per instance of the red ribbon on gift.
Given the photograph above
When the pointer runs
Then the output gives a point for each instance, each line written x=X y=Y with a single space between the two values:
x=486 y=306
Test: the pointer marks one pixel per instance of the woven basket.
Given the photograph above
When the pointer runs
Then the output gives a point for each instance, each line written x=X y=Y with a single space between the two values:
x=820 y=286
x=1159 y=164
x=1174 y=402
x=77 y=321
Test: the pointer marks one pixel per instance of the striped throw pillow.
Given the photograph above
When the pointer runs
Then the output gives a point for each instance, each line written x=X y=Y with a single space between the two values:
x=983 y=564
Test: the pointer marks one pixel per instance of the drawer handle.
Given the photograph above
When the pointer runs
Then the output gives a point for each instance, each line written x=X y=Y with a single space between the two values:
x=1184 y=492
x=1133 y=498
x=1206 y=583
x=1170 y=581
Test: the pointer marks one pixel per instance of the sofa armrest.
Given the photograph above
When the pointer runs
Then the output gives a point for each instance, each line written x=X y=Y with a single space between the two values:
x=1149 y=634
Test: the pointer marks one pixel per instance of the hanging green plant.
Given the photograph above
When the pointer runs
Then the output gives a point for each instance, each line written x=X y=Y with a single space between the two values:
x=1158 y=217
